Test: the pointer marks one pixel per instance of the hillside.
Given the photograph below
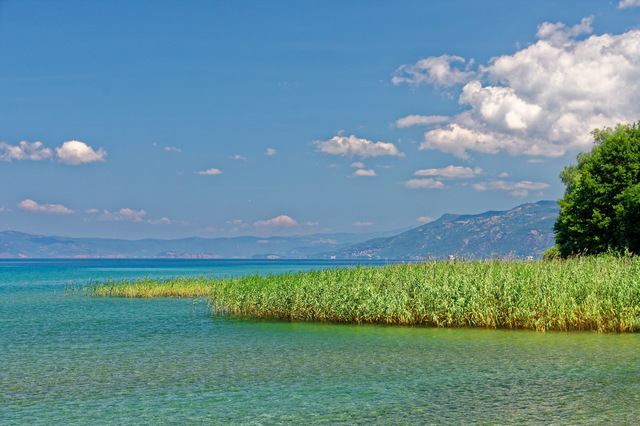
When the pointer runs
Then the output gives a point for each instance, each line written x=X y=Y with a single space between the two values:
x=524 y=231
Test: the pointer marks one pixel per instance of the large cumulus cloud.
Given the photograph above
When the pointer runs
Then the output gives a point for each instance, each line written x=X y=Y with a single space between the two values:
x=543 y=100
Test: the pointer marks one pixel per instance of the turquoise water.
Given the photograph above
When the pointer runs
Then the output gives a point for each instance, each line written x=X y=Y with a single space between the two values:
x=81 y=360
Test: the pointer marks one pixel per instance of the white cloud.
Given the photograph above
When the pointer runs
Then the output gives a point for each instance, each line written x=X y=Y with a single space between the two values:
x=161 y=221
x=127 y=215
x=71 y=152
x=363 y=172
x=435 y=70
x=358 y=165
x=545 y=99
x=560 y=34
x=172 y=149
x=352 y=146
x=424 y=219
x=270 y=152
x=421 y=120
x=429 y=183
x=628 y=3
x=362 y=224
x=282 y=221
x=232 y=226
x=517 y=189
x=325 y=241
x=24 y=151
x=235 y=225
x=32 y=206
x=123 y=215
x=239 y=157
x=451 y=172
x=211 y=229
x=76 y=152
x=210 y=172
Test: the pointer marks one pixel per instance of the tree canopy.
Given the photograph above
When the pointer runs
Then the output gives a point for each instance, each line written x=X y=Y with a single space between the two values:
x=600 y=210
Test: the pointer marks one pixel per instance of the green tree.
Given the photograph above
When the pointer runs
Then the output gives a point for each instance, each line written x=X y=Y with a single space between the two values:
x=600 y=210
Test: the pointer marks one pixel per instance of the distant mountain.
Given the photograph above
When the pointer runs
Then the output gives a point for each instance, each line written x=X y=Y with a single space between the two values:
x=522 y=232
x=20 y=245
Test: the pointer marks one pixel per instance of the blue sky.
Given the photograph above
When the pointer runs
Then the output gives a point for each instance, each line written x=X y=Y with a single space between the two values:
x=170 y=119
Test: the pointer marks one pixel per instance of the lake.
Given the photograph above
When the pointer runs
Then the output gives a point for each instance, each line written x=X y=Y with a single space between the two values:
x=82 y=360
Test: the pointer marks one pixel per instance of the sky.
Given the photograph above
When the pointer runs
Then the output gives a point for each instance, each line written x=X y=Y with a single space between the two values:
x=171 y=119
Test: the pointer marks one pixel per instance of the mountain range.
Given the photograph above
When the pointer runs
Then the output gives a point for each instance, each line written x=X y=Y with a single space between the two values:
x=525 y=231
x=21 y=245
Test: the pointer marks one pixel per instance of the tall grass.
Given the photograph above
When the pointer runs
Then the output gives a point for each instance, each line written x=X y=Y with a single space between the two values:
x=585 y=293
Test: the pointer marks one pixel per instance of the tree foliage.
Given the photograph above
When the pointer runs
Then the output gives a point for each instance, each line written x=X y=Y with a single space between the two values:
x=600 y=210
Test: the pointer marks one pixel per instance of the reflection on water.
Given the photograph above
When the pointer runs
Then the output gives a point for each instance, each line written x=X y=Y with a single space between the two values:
x=79 y=360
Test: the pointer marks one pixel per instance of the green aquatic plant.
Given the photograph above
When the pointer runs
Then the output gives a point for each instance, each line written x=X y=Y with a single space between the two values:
x=583 y=293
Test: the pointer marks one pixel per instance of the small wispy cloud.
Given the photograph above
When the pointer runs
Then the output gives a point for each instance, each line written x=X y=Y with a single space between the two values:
x=282 y=221
x=32 y=206
x=444 y=71
x=235 y=225
x=211 y=229
x=161 y=221
x=420 y=120
x=270 y=152
x=122 y=215
x=239 y=157
x=231 y=226
x=516 y=189
x=127 y=215
x=424 y=219
x=355 y=147
x=34 y=151
x=363 y=172
x=451 y=172
x=358 y=165
x=628 y=3
x=167 y=148
x=428 y=183
x=362 y=224
x=212 y=171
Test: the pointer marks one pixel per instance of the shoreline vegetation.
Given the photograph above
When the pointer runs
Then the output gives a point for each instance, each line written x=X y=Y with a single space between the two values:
x=599 y=293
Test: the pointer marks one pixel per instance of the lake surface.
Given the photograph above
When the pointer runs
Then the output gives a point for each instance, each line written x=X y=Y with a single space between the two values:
x=82 y=360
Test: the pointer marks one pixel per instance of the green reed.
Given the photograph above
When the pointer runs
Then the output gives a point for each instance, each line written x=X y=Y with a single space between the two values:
x=151 y=288
x=584 y=293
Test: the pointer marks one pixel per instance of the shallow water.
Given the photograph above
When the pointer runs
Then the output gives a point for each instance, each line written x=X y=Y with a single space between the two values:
x=81 y=360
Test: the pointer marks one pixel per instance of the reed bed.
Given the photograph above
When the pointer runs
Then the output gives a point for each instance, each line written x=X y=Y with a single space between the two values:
x=584 y=293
